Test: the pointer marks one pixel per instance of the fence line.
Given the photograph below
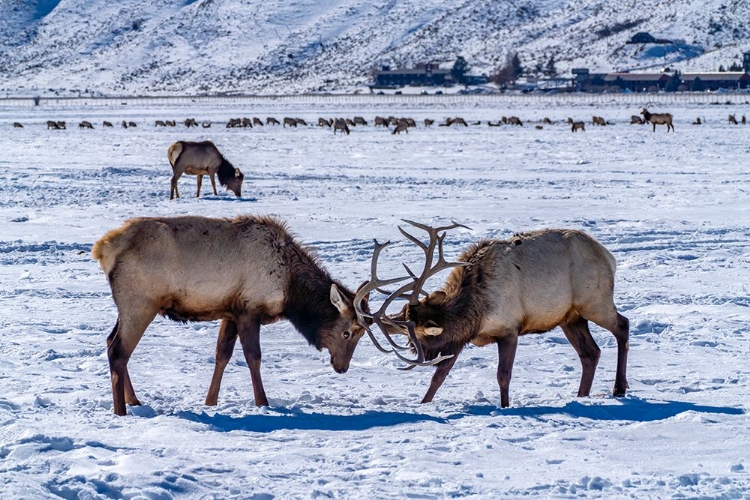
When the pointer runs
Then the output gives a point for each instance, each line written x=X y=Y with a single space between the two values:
x=562 y=99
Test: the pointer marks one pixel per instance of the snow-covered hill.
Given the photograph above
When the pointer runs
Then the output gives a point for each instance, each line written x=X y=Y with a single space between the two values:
x=275 y=46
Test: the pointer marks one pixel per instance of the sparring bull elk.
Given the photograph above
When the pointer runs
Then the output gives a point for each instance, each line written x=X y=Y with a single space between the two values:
x=500 y=290
x=202 y=158
x=658 y=119
x=247 y=272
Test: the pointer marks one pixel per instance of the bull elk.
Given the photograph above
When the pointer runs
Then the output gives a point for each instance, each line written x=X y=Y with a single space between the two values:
x=658 y=119
x=502 y=289
x=202 y=158
x=247 y=271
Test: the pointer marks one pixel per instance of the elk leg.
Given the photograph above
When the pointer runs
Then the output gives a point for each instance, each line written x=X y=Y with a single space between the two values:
x=249 y=331
x=579 y=336
x=130 y=397
x=173 y=189
x=442 y=370
x=120 y=345
x=506 y=349
x=200 y=181
x=224 y=349
x=213 y=183
x=620 y=328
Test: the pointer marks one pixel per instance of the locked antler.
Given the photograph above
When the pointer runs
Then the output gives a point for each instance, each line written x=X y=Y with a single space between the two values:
x=410 y=291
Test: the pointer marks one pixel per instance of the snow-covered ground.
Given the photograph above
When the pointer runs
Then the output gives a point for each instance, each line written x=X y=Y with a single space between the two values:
x=674 y=208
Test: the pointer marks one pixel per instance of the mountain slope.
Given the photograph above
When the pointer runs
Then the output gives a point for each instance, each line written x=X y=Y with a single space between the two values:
x=139 y=46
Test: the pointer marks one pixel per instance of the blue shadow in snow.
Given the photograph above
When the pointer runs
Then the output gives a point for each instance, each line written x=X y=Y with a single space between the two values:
x=278 y=419
x=629 y=409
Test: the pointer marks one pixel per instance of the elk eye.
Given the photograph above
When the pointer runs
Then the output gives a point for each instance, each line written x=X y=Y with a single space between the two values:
x=347 y=334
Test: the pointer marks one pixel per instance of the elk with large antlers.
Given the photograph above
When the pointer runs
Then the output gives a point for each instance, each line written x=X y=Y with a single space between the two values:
x=502 y=289
x=658 y=119
x=247 y=272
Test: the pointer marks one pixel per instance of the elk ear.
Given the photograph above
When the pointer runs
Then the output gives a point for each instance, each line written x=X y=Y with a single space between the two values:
x=436 y=298
x=432 y=328
x=338 y=300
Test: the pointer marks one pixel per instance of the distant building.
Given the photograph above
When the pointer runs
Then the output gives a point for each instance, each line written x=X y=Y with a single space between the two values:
x=746 y=62
x=422 y=75
x=638 y=82
x=718 y=80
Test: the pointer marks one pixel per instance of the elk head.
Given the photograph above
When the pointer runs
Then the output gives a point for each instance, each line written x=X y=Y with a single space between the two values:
x=413 y=320
x=341 y=334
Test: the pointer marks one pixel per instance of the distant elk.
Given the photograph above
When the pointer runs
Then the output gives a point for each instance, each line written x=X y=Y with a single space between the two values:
x=132 y=125
x=17 y=125
x=322 y=122
x=514 y=120
x=350 y=122
x=500 y=290
x=490 y=123
x=547 y=121
x=257 y=121
x=300 y=121
x=636 y=120
x=247 y=123
x=171 y=123
x=697 y=121
x=576 y=125
x=381 y=122
x=124 y=124
x=190 y=122
x=202 y=158
x=272 y=121
x=733 y=120
x=105 y=123
x=159 y=123
x=290 y=121
x=340 y=124
x=658 y=119
x=247 y=272
x=454 y=121
x=598 y=120
x=234 y=123
x=85 y=124
x=358 y=120
x=743 y=120
x=428 y=122
x=55 y=125
x=402 y=126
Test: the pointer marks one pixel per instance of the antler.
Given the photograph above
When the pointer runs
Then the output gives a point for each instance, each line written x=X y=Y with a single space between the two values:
x=415 y=286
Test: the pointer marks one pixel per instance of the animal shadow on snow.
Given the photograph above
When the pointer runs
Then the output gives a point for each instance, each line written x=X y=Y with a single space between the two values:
x=626 y=409
x=283 y=419
x=629 y=408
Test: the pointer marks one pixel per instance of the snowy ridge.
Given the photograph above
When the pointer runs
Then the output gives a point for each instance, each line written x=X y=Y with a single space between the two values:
x=274 y=46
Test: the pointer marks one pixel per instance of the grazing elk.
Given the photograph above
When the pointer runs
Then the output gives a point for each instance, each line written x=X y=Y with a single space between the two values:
x=290 y=121
x=171 y=123
x=272 y=121
x=300 y=121
x=247 y=123
x=500 y=290
x=636 y=120
x=574 y=126
x=322 y=122
x=733 y=120
x=340 y=124
x=202 y=158
x=85 y=124
x=257 y=121
x=159 y=123
x=132 y=125
x=598 y=120
x=381 y=122
x=190 y=122
x=658 y=119
x=53 y=125
x=17 y=125
x=428 y=122
x=402 y=126
x=358 y=120
x=247 y=271
x=514 y=120
x=234 y=123
x=105 y=123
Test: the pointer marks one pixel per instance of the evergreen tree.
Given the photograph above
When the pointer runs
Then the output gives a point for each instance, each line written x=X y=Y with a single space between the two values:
x=697 y=85
x=459 y=70
x=550 y=70
x=516 y=64
x=674 y=83
x=736 y=67
x=721 y=68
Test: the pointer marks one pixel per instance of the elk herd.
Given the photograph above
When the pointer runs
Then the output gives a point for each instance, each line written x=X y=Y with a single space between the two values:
x=395 y=124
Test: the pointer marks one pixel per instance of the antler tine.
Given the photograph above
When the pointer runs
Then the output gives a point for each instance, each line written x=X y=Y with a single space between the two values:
x=436 y=239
